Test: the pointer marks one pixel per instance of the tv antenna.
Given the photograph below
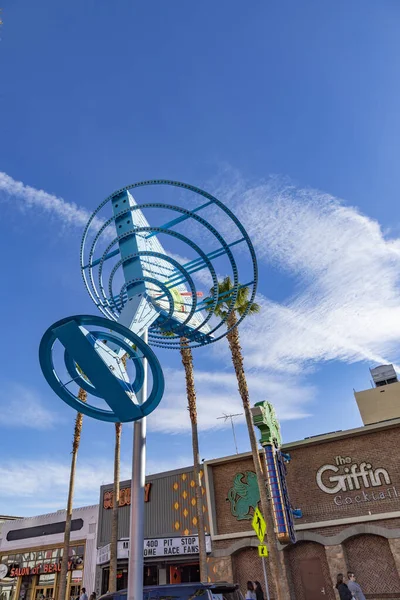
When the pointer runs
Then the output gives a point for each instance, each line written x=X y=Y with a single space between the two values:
x=231 y=417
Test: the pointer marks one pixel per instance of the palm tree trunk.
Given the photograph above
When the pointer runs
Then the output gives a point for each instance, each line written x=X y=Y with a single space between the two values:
x=237 y=359
x=62 y=590
x=112 y=586
x=187 y=361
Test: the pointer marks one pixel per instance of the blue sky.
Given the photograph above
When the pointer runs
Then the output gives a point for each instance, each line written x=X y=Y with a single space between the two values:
x=289 y=113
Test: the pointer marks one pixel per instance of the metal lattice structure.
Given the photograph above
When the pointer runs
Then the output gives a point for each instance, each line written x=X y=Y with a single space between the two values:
x=150 y=288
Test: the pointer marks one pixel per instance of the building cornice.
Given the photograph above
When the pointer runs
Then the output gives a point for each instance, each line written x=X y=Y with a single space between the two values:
x=318 y=439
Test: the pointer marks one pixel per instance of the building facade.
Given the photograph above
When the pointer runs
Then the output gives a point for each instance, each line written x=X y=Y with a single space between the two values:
x=381 y=401
x=31 y=553
x=171 y=553
x=347 y=485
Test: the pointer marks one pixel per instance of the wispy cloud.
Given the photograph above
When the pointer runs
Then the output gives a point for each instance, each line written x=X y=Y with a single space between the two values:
x=217 y=394
x=22 y=407
x=27 y=197
x=30 y=197
x=44 y=479
x=39 y=480
x=343 y=268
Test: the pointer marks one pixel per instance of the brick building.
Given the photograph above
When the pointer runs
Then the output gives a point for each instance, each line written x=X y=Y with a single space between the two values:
x=348 y=487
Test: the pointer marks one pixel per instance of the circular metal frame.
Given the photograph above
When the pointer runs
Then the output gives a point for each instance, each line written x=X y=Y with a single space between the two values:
x=110 y=308
x=47 y=364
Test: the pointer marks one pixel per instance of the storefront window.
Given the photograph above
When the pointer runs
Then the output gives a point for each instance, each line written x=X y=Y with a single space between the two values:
x=8 y=584
x=8 y=588
x=7 y=592
x=75 y=591
x=45 y=593
x=122 y=579
x=37 y=583
x=47 y=579
x=76 y=584
x=26 y=587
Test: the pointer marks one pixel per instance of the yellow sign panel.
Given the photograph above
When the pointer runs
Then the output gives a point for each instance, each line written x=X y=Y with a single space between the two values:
x=259 y=525
x=262 y=550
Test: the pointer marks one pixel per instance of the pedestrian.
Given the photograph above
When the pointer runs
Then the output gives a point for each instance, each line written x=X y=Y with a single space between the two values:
x=259 y=591
x=83 y=595
x=344 y=592
x=250 y=594
x=92 y=596
x=354 y=587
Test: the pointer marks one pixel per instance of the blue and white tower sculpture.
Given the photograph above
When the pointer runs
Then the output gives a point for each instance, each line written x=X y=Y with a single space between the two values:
x=149 y=296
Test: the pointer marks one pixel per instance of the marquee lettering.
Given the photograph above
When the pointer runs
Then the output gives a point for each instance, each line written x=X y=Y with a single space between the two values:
x=353 y=477
x=40 y=569
x=124 y=497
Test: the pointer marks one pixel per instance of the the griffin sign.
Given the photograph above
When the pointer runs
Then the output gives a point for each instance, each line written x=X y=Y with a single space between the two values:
x=347 y=476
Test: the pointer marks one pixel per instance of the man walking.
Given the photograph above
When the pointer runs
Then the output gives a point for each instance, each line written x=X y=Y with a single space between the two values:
x=354 y=587
x=83 y=595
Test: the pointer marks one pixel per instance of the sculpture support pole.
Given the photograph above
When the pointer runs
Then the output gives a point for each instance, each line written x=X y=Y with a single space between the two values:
x=136 y=528
x=265 y=577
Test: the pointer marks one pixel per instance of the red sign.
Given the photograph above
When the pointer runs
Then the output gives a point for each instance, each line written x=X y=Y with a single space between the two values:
x=40 y=569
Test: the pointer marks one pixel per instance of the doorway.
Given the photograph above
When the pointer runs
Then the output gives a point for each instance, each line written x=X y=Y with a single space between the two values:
x=44 y=593
x=186 y=573
x=312 y=579
x=74 y=591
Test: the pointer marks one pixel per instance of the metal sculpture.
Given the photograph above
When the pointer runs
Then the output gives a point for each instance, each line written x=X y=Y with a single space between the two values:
x=158 y=289
x=93 y=363
x=265 y=419
x=147 y=296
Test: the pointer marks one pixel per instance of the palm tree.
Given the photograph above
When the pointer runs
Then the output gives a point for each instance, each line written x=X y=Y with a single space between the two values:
x=112 y=585
x=82 y=395
x=187 y=361
x=225 y=290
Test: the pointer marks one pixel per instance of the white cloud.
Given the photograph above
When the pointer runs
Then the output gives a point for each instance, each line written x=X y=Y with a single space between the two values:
x=345 y=273
x=44 y=479
x=31 y=198
x=43 y=484
x=22 y=407
x=217 y=395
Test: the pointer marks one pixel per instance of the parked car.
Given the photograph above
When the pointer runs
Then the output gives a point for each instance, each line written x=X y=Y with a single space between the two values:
x=184 y=591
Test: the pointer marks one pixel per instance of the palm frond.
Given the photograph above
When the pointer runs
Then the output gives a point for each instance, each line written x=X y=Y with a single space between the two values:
x=254 y=308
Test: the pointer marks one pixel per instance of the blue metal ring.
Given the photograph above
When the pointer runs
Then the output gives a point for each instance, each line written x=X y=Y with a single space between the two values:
x=155 y=339
x=47 y=366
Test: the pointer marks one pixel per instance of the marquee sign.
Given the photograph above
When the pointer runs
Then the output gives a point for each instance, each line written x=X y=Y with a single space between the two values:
x=156 y=547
